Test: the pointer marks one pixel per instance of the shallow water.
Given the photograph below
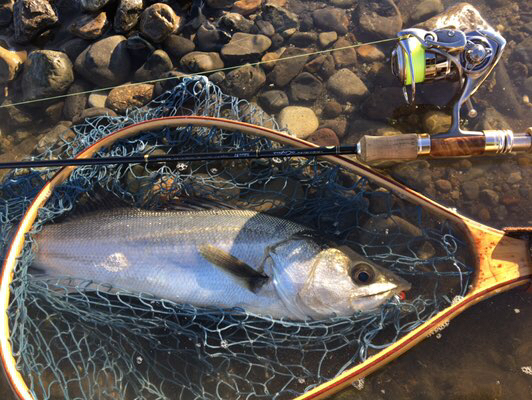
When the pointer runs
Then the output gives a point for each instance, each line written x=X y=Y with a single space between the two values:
x=482 y=353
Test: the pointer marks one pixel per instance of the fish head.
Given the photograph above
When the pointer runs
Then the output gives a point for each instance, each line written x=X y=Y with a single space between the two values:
x=342 y=282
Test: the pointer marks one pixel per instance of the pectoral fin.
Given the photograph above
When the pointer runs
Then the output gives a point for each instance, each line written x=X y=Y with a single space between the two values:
x=243 y=274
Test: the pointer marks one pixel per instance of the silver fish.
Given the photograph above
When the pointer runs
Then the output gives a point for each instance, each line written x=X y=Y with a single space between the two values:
x=222 y=258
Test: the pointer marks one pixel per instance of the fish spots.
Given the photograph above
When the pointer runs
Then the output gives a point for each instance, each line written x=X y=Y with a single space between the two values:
x=115 y=262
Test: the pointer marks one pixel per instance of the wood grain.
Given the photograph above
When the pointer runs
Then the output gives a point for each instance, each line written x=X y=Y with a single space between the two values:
x=457 y=146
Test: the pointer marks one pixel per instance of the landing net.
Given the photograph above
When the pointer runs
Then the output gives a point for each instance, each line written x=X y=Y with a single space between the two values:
x=83 y=340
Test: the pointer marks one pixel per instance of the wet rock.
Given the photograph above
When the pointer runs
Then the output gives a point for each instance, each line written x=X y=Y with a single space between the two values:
x=300 y=121
x=523 y=51
x=528 y=86
x=246 y=7
x=332 y=109
x=382 y=103
x=210 y=38
x=170 y=80
x=177 y=46
x=331 y=19
x=370 y=53
x=46 y=73
x=74 y=105
x=284 y=71
x=158 y=21
x=489 y=197
x=484 y=214
x=462 y=16
x=322 y=65
x=425 y=251
x=415 y=11
x=89 y=26
x=6 y=12
x=383 y=225
x=514 y=177
x=234 y=22
x=327 y=38
x=220 y=4
x=344 y=3
x=97 y=99
x=345 y=57
x=436 y=122
x=157 y=64
x=492 y=119
x=139 y=49
x=93 y=112
x=123 y=97
x=378 y=19
x=199 y=61
x=32 y=17
x=413 y=173
x=304 y=39
x=55 y=137
x=245 y=47
x=443 y=185
x=268 y=59
x=273 y=100
x=217 y=78
x=93 y=5
x=305 y=87
x=280 y=17
x=345 y=85
x=338 y=125
x=276 y=196
x=73 y=48
x=105 y=62
x=324 y=137
x=127 y=15
x=500 y=212
x=264 y=28
x=244 y=82
x=470 y=190
x=10 y=64
x=277 y=41
x=505 y=94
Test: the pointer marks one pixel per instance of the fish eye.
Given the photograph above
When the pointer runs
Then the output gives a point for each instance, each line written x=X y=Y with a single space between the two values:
x=362 y=274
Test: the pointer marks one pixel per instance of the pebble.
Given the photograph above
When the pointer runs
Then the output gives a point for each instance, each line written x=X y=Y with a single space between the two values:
x=121 y=98
x=127 y=15
x=378 y=19
x=244 y=82
x=210 y=38
x=94 y=112
x=220 y=3
x=89 y=26
x=177 y=46
x=97 y=99
x=514 y=177
x=500 y=212
x=46 y=73
x=139 y=49
x=345 y=85
x=510 y=200
x=305 y=87
x=10 y=64
x=74 y=105
x=471 y=190
x=344 y=3
x=345 y=57
x=484 y=214
x=199 y=61
x=380 y=225
x=105 y=62
x=285 y=70
x=338 y=125
x=237 y=23
x=273 y=100
x=425 y=10
x=436 y=122
x=413 y=173
x=158 y=21
x=370 y=53
x=279 y=17
x=443 y=185
x=332 y=109
x=73 y=47
x=245 y=47
x=31 y=17
x=300 y=121
x=93 y=5
x=264 y=27
x=324 y=137
x=327 y=38
x=382 y=103
x=6 y=12
x=246 y=7
x=523 y=51
x=331 y=19
x=489 y=197
x=304 y=39
x=157 y=64
x=322 y=65
x=268 y=59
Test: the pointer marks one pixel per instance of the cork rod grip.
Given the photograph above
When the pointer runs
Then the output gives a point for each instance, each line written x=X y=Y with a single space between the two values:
x=383 y=148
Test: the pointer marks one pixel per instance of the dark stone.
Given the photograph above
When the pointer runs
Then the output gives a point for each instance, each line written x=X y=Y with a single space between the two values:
x=322 y=65
x=378 y=19
x=170 y=80
x=523 y=51
x=156 y=65
x=346 y=85
x=32 y=17
x=413 y=174
x=383 y=103
x=345 y=57
x=73 y=48
x=158 y=21
x=140 y=49
x=235 y=22
x=210 y=38
x=284 y=71
x=264 y=28
x=6 y=12
x=489 y=197
x=332 y=109
x=93 y=5
x=305 y=87
x=245 y=81
x=93 y=112
x=304 y=39
x=443 y=185
x=338 y=125
x=127 y=15
x=245 y=47
x=74 y=105
x=217 y=78
x=199 y=61
x=88 y=26
x=177 y=46
x=273 y=100
x=471 y=190
x=331 y=19
x=277 y=41
x=324 y=137
x=280 y=17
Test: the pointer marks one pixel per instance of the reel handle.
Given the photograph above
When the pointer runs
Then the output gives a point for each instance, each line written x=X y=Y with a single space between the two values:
x=411 y=145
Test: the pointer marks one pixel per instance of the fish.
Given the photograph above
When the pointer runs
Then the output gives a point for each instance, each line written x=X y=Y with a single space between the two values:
x=222 y=258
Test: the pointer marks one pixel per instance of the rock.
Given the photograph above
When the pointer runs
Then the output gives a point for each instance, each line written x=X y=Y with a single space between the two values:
x=505 y=95
x=324 y=137
x=370 y=53
x=140 y=50
x=265 y=27
x=121 y=98
x=74 y=105
x=277 y=41
x=514 y=177
x=280 y=17
x=332 y=109
x=322 y=65
x=10 y=63
x=245 y=47
x=382 y=225
x=331 y=19
x=268 y=59
x=89 y=26
x=501 y=212
x=327 y=38
x=246 y=7
x=170 y=80
x=93 y=5
x=383 y=103
x=127 y=15
x=528 y=86
x=199 y=61
x=220 y=3
x=55 y=137
x=345 y=85
x=285 y=70
x=378 y=19
x=235 y=22
x=338 y=125
x=305 y=87
x=218 y=78
x=177 y=46
x=436 y=122
x=157 y=64
x=93 y=112
x=492 y=119
x=413 y=173
x=273 y=100
x=97 y=99
x=471 y=190
x=424 y=10
x=462 y=16
x=304 y=39
x=245 y=81
x=344 y=3
x=489 y=197
x=73 y=48
x=443 y=185
x=300 y=121
x=345 y=57
x=523 y=51
x=32 y=17
x=158 y=21
x=6 y=12
x=46 y=73
x=210 y=38
x=105 y=62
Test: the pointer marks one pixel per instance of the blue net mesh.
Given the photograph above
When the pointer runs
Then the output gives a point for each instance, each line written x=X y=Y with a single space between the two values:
x=74 y=338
